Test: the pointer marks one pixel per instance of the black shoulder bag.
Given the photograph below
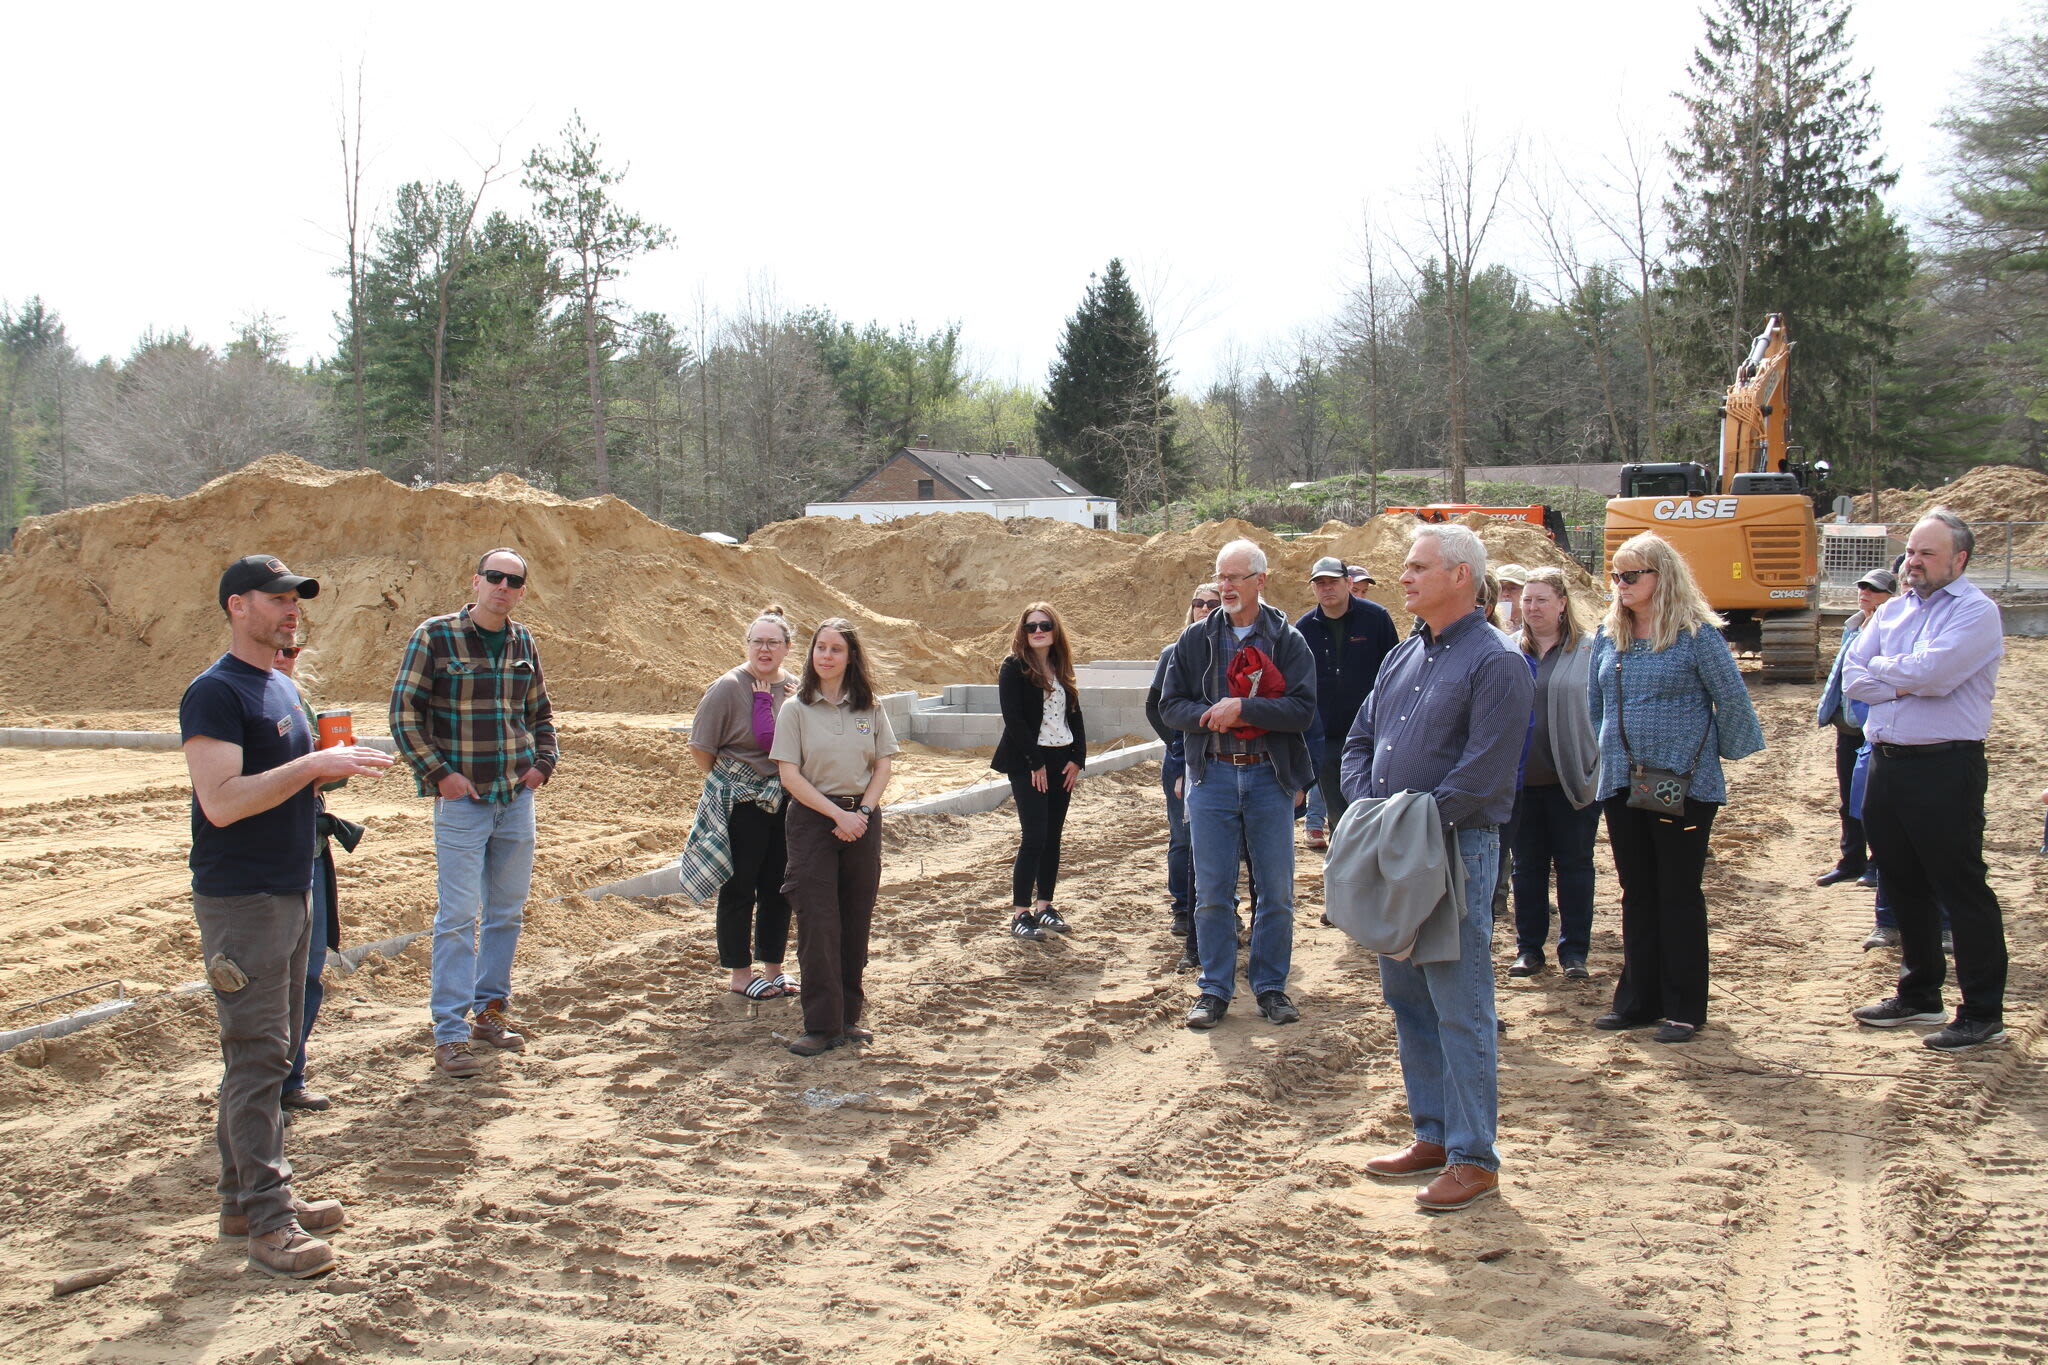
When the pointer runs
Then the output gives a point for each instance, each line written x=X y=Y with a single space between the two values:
x=1661 y=791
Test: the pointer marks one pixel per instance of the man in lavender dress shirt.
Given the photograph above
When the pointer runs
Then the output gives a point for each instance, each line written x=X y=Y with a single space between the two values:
x=1927 y=664
x=1448 y=715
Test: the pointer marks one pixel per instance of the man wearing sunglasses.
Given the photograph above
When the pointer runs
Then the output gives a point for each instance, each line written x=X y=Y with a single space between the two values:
x=470 y=713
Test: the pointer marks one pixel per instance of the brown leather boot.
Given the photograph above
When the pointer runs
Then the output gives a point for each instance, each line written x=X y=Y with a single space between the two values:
x=287 y=1251
x=491 y=1026
x=456 y=1059
x=315 y=1215
x=1417 y=1158
x=1457 y=1187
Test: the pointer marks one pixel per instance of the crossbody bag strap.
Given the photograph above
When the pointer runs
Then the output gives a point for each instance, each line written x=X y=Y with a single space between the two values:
x=1621 y=718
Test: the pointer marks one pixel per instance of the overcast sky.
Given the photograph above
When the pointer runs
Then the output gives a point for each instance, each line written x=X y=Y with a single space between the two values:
x=178 y=167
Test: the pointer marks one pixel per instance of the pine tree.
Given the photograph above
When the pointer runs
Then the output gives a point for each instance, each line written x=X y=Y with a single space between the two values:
x=1778 y=210
x=1107 y=413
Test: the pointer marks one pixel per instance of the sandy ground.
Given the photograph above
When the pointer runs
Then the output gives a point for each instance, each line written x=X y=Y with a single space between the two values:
x=1033 y=1162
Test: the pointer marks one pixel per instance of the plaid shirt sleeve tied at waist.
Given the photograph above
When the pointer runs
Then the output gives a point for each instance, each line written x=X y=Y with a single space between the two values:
x=455 y=709
x=706 y=864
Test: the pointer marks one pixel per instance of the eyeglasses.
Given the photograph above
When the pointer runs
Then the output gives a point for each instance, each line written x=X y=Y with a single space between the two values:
x=1233 y=578
x=1038 y=627
x=1628 y=576
x=1206 y=603
x=497 y=576
x=291 y=652
x=777 y=643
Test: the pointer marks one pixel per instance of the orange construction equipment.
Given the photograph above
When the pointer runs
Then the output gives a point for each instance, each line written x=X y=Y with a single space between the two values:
x=1546 y=519
x=1749 y=535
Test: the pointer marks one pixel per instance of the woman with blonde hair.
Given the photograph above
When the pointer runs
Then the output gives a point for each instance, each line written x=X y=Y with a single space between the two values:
x=1556 y=816
x=736 y=848
x=1043 y=749
x=832 y=748
x=1669 y=705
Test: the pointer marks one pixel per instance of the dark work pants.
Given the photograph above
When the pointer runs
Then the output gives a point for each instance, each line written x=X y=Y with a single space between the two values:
x=1329 y=776
x=1044 y=817
x=831 y=886
x=1925 y=818
x=1180 y=857
x=1661 y=862
x=752 y=899
x=267 y=936
x=1855 y=857
x=1550 y=833
x=316 y=962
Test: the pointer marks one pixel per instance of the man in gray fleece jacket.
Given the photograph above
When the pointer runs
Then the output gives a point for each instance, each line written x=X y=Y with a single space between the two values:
x=1247 y=763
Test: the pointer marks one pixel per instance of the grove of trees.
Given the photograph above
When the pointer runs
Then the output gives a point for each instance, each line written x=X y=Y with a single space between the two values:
x=1503 y=308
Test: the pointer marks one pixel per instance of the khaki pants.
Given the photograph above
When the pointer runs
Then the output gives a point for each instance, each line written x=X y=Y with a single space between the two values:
x=261 y=1027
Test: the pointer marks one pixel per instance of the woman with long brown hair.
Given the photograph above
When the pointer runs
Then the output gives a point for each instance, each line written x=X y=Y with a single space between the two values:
x=832 y=746
x=1042 y=750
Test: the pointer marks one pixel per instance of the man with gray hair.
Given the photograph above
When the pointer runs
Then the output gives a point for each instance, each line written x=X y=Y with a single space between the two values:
x=1242 y=687
x=1927 y=665
x=1449 y=716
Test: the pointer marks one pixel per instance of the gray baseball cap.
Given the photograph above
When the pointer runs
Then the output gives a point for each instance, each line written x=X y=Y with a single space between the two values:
x=1329 y=566
x=1881 y=580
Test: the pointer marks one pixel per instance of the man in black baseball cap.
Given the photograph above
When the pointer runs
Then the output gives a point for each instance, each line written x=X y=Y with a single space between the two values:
x=263 y=573
x=249 y=748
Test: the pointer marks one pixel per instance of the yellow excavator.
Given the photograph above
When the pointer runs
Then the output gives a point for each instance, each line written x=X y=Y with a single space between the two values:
x=1748 y=533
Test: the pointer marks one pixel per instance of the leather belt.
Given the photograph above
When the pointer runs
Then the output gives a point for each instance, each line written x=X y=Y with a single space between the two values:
x=1241 y=760
x=844 y=802
x=1916 y=750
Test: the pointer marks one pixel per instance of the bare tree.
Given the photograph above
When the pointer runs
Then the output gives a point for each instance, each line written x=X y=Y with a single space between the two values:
x=1631 y=212
x=1577 y=288
x=351 y=137
x=1460 y=193
x=1362 y=329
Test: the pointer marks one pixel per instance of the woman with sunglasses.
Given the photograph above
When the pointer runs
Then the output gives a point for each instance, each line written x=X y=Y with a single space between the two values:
x=1042 y=750
x=1665 y=694
x=832 y=746
x=739 y=814
x=1180 y=866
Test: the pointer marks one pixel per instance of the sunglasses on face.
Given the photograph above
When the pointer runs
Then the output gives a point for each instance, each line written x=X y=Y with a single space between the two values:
x=1628 y=576
x=496 y=576
x=1038 y=627
x=1205 y=603
x=291 y=652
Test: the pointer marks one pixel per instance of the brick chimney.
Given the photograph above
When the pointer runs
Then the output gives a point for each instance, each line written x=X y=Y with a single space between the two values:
x=1009 y=447
x=924 y=443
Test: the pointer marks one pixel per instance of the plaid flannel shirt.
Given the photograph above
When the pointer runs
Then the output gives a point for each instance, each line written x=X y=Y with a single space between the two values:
x=455 y=709
x=706 y=864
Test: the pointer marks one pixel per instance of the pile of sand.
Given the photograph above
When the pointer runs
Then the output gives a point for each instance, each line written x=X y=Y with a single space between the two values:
x=1993 y=492
x=970 y=576
x=113 y=606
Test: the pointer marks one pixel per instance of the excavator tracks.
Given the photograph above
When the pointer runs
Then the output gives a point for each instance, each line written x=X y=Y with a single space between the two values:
x=1791 y=646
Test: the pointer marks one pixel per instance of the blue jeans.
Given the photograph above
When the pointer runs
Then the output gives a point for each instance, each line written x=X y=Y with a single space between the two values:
x=1180 y=866
x=1551 y=832
x=483 y=853
x=1235 y=808
x=1444 y=1021
x=1318 y=809
x=316 y=963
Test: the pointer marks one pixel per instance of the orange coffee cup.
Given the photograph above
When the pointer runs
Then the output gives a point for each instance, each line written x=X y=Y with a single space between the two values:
x=336 y=727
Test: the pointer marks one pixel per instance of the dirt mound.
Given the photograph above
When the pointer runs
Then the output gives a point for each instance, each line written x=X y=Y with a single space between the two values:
x=113 y=606
x=1992 y=492
x=969 y=576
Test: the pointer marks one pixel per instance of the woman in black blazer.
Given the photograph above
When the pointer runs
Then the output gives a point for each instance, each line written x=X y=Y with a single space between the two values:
x=1043 y=749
